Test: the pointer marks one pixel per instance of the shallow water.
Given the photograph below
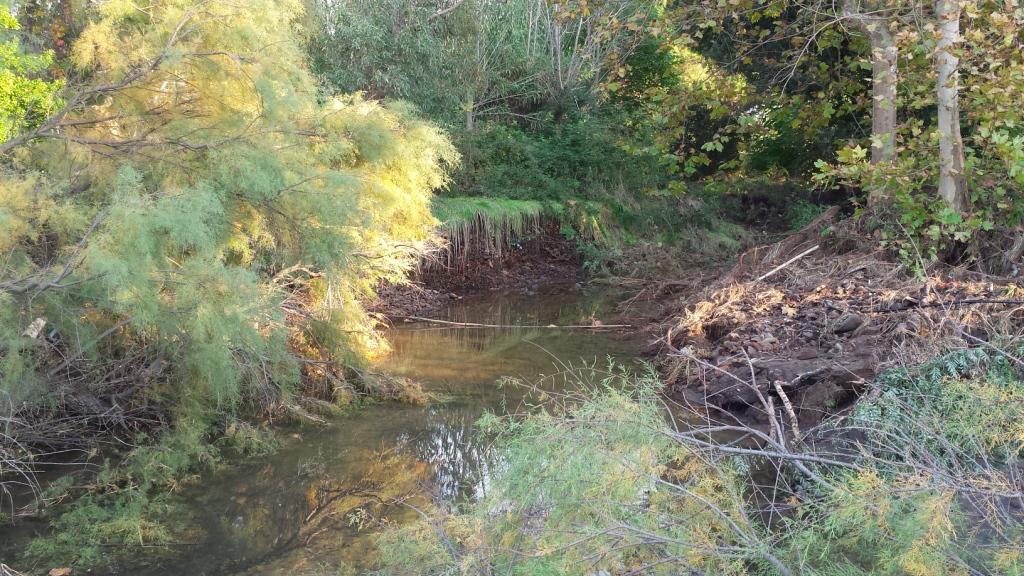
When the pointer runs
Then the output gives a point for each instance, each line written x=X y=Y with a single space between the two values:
x=314 y=506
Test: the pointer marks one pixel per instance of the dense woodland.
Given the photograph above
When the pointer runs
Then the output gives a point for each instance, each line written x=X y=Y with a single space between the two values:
x=199 y=200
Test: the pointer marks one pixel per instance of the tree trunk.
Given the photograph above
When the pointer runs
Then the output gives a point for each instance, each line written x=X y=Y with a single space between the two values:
x=884 y=70
x=884 y=79
x=952 y=182
x=470 y=115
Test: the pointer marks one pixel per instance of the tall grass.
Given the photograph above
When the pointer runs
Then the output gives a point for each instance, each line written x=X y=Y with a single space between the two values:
x=478 y=225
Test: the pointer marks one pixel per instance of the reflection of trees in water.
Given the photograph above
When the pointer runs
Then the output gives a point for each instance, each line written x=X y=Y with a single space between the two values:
x=266 y=511
x=394 y=477
x=277 y=509
x=247 y=518
x=457 y=456
x=271 y=514
x=507 y=311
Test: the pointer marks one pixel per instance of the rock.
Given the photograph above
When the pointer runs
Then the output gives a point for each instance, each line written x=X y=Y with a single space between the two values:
x=848 y=323
x=819 y=400
x=806 y=354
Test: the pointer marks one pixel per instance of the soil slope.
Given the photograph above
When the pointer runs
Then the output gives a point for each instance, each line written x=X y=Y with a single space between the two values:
x=806 y=324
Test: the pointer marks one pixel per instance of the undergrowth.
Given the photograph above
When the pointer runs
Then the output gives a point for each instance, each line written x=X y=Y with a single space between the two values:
x=600 y=229
x=603 y=483
x=491 y=224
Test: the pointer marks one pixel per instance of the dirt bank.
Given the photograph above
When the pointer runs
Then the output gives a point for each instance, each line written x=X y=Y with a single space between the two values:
x=805 y=325
x=802 y=325
x=543 y=260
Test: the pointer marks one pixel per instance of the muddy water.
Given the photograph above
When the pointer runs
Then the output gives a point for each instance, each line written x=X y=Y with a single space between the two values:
x=314 y=506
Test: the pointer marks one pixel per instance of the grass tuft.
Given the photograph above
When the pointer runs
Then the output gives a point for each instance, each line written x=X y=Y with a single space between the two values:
x=489 y=224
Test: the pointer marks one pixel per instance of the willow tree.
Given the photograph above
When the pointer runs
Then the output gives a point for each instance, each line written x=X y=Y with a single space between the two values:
x=197 y=219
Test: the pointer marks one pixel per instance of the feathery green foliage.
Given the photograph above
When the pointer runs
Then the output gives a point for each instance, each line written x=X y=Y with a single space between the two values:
x=236 y=170
x=195 y=232
x=130 y=503
x=602 y=482
x=582 y=488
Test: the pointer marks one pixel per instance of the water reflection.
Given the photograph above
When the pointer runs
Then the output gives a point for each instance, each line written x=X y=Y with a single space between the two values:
x=312 y=507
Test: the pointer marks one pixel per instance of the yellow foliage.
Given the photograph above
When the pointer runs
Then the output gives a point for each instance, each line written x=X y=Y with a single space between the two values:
x=214 y=162
x=20 y=204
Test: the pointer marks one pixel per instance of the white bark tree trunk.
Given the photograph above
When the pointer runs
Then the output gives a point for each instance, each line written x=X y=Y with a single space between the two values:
x=884 y=80
x=884 y=76
x=952 y=182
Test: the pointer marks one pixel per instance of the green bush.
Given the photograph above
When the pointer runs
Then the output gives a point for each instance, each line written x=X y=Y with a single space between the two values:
x=129 y=502
x=601 y=482
x=581 y=157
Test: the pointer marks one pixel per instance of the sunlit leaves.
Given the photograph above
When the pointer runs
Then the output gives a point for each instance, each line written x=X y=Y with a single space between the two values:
x=27 y=96
x=597 y=484
x=216 y=165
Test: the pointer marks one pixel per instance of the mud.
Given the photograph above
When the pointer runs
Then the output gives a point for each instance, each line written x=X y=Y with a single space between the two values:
x=546 y=260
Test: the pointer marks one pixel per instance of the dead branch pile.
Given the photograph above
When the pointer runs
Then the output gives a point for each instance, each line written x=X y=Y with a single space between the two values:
x=822 y=325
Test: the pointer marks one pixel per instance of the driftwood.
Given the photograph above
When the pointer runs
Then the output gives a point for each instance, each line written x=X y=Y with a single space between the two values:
x=788 y=262
x=551 y=326
x=755 y=258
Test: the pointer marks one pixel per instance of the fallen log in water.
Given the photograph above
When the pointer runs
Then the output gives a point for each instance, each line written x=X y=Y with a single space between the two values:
x=552 y=326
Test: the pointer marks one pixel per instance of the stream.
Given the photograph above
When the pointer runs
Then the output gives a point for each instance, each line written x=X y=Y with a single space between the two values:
x=314 y=506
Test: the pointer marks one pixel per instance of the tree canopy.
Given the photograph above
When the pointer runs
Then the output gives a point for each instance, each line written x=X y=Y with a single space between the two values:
x=194 y=183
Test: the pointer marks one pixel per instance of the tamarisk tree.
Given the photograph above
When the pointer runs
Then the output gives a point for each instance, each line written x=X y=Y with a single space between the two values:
x=195 y=219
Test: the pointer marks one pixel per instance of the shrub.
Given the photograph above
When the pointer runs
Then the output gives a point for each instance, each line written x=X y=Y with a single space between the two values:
x=604 y=482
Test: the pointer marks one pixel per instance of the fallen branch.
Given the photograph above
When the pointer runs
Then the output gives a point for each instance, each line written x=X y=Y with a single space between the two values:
x=476 y=325
x=793 y=420
x=6 y=570
x=788 y=262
